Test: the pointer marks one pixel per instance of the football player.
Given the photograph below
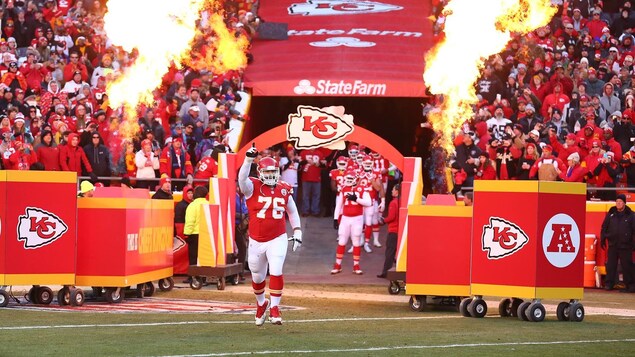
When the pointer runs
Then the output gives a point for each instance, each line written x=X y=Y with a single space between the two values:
x=337 y=174
x=370 y=180
x=267 y=200
x=349 y=206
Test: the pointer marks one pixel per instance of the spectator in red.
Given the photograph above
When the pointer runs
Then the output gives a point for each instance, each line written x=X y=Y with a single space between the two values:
x=538 y=88
x=564 y=150
x=72 y=157
x=75 y=66
x=175 y=163
x=557 y=99
x=574 y=172
x=610 y=143
x=526 y=161
x=14 y=78
x=548 y=167
x=605 y=175
x=485 y=170
x=23 y=157
x=312 y=160
x=596 y=25
x=207 y=167
x=34 y=72
x=47 y=152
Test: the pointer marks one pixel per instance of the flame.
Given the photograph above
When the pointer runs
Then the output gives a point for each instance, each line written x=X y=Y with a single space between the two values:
x=164 y=34
x=474 y=30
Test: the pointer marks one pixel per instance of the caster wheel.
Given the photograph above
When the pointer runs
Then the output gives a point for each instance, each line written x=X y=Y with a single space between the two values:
x=220 y=284
x=393 y=288
x=535 y=312
x=196 y=283
x=4 y=298
x=114 y=297
x=522 y=308
x=514 y=307
x=76 y=297
x=576 y=312
x=504 y=308
x=166 y=284
x=44 y=295
x=33 y=294
x=417 y=303
x=562 y=311
x=149 y=289
x=63 y=296
x=463 y=307
x=477 y=308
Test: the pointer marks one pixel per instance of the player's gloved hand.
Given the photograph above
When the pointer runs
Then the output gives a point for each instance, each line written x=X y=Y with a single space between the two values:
x=336 y=224
x=190 y=179
x=296 y=239
x=351 y=197
x=252 y=152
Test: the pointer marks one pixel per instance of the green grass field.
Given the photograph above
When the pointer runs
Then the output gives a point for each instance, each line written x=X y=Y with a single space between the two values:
x=326 y=326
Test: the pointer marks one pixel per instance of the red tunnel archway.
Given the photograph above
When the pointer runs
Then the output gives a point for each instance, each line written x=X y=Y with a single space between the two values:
x=359 y=135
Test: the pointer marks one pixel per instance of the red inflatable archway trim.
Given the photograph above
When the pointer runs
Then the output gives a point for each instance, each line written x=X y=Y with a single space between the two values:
x=359 y=135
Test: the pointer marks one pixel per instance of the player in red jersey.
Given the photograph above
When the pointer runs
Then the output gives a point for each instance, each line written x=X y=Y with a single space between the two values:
x=337 y=174
x=206 y=168
x=370 y=179
x=267 y=201
x=349 y=206
x=383 y=166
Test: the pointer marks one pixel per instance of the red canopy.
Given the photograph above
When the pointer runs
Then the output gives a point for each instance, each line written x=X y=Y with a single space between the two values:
x=343 y=48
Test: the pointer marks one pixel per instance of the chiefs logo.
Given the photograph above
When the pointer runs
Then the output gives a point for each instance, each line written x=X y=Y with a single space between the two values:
x=38 y=228
x=178 y=243
x=340 y=7
x=502 y=238
x=313 y=127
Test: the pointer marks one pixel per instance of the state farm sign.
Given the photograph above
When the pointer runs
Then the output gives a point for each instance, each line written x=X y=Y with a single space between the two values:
x=342 y=87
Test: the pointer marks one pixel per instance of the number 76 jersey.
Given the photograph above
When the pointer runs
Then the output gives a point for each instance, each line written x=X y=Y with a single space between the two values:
x=267 y=206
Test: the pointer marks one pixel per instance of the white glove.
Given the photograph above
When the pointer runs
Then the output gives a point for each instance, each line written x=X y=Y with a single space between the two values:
x=190 y=179
x=296 y=239
x=382 y=205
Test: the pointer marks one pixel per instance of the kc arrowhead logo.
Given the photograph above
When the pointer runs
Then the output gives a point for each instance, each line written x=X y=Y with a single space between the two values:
x=502 y=238
x=340 y=7
x=313 y=127
x=38 y=228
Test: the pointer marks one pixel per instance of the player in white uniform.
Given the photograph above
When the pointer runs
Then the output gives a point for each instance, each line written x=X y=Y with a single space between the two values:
x=349 y=220
x=370 y=179
x=268 y=199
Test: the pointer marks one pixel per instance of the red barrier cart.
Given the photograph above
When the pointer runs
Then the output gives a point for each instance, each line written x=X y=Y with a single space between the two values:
x=528 y=242
x=37 y=234
x=125 y=240
x=438 y=236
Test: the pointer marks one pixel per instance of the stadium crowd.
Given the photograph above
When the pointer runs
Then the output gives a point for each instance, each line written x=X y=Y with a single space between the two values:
x=55 y=63
x=557 y=103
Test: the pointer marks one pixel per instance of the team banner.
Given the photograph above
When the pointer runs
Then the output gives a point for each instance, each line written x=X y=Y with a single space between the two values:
x=38 y=233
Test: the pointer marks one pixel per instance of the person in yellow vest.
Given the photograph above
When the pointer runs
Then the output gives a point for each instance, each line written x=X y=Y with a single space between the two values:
x=192 y=222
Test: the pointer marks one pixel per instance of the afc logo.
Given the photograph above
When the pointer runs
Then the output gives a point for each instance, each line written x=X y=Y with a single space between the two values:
x=502 y=238
x=561 y=240
x=38 y=228
x=340 y=7
x=312 y=127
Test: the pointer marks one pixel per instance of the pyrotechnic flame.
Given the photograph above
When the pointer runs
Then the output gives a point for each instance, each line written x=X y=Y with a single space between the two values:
x=163 y=33
x=474 y=30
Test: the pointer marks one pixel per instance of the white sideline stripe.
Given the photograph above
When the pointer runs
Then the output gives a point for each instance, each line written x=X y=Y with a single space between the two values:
x=373 y=349
x=150 y=324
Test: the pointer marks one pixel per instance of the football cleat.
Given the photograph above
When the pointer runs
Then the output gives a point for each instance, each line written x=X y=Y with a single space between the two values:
x=367 y=248
x=261 y=313
x=337 y=268
x=274 y=316
x=357 y=270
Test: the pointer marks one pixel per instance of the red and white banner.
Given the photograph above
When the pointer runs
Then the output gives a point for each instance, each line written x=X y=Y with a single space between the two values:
x=343 y=48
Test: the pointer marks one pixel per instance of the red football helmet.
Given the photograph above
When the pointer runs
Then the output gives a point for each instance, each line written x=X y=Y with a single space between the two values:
x=341 y=163
x=350 y=177
x=353 y=151
x=367 y=162
x=375 y=155
x=268 y=171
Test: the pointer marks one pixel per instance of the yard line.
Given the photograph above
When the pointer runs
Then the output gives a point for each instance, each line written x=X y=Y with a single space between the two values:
x=150 y=324
x=374 y=349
